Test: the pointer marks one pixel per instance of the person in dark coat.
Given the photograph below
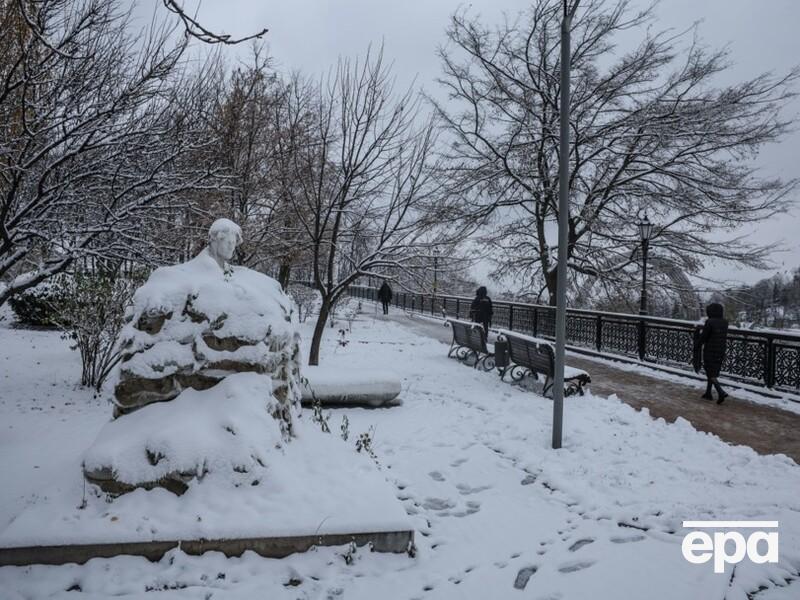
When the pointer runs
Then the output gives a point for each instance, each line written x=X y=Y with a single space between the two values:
x=385 y=296
x=480 y=311
x=713 y=340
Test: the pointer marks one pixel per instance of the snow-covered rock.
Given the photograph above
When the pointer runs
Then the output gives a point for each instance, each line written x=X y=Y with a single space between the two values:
x=230 y=429
x=192 y=324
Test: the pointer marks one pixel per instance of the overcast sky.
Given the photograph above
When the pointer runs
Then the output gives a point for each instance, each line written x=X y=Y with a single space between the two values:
x=309 y=35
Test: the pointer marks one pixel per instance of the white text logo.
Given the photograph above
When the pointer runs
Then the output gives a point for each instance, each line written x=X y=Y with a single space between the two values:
x=726 y=546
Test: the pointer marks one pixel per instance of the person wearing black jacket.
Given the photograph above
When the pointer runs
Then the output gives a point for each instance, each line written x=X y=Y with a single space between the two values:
x=713 y=340
x=480 y=311
x=385 y=296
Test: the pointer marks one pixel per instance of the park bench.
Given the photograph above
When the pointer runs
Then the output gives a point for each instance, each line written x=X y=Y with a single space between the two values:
x=469 y=340
x=533 y=356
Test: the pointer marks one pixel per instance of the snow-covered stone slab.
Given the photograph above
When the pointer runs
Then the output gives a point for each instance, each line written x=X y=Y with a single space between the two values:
x=350 y=387
x=269 y=547
x=321 y=492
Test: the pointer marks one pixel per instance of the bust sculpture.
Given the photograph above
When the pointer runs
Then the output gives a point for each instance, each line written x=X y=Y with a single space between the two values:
x=223 y=237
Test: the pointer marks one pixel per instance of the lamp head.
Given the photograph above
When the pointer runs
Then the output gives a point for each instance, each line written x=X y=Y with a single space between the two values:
x=645 y=229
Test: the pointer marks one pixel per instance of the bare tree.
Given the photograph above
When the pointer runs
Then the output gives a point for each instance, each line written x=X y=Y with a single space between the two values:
x=293 y=127
x=361 y=180
x=96 y=128
x=195 y=29
x=651 y=132
x=245 y=146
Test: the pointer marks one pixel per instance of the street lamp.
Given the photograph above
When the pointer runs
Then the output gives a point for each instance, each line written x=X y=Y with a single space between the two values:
x=645 y=232
x=563 y=224
x=436 y=253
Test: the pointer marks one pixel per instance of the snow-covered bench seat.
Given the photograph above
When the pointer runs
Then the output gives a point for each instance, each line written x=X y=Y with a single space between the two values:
x=534 y=356
x=335 y=386
x=469 y=339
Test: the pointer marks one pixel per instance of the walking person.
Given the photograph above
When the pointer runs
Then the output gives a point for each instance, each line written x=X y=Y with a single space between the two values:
x=480 y=311
x=713 y=340
x=385 y=296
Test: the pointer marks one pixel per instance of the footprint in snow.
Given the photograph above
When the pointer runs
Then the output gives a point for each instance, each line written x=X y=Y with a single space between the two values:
x=436 y=476
x=472 y=508
x=466 y=490
x=572 y=567
x=627 y=540
x=543 y=547
x=523 y=576
x=438 y=503
x=458 y=462
x=580 y=544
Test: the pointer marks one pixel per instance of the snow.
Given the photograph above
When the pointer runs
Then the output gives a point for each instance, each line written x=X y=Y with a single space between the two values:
x=315 y=485
x=471 y=324
x=163 y=358
x=245 y=304
x=224 y=429
x=46 y=419
x=48 y=423
x=469 y=458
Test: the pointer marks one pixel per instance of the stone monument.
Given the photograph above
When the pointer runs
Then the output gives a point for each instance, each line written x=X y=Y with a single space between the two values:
x=190 y=328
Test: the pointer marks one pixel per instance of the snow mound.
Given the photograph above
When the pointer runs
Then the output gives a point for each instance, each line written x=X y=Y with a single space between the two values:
x=229 y=430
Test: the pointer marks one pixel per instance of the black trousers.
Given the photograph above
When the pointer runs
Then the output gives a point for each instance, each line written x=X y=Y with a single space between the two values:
x=385 y=306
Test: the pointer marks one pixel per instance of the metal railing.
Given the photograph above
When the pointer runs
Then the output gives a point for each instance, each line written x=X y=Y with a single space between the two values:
x=767 y=359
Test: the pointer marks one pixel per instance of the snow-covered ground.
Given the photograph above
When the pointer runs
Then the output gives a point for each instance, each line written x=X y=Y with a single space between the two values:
x=493 y=506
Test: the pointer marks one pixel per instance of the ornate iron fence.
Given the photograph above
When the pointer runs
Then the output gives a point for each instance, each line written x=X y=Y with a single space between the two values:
x=761 y=358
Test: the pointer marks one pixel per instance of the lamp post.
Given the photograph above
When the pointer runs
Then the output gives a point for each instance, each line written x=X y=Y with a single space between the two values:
x=645 y=232
x=436 y=252
x=563 y=225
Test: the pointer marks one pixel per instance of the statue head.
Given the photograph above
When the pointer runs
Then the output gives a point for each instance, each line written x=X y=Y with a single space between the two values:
x=223 y=237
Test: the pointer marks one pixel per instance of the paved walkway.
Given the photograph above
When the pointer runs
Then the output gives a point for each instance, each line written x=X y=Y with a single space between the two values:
x=766 y=429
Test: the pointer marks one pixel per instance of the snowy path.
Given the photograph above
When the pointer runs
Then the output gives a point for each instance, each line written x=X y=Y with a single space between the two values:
x=766 y=429
x=493 y=506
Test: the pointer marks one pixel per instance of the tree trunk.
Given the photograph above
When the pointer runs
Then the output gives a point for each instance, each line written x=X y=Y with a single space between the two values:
x=283 y=275
x=319 y=329
x=551 y=279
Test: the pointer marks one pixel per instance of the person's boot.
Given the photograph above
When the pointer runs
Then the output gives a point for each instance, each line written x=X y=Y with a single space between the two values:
x=721 y=393
x=707 y=395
